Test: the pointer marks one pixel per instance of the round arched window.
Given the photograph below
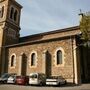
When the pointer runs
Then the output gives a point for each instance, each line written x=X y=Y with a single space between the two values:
x=59 y=57
x=33 y=59
x=11 y=12
x=1 y=11
x=15 y=15
x=12 y=60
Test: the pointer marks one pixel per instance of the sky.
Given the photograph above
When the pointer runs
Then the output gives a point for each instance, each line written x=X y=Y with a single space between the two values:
x=40 y=16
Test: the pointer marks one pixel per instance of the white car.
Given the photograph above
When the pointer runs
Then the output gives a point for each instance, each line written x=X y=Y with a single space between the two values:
x=11 y=79
x=55 y=80
x=37 y=79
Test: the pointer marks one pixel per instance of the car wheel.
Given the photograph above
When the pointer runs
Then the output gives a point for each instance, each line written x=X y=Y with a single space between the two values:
x=41 y=84
x=44 y=84
x=1 y=82
x=27 y=83
x=4 y=82
x=65 y=82
x=59 y=84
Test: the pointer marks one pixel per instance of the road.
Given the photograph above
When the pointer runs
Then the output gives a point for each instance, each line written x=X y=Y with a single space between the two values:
x=19 y=87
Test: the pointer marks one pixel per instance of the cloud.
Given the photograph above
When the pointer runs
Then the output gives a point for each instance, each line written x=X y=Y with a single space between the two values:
x=47 y=15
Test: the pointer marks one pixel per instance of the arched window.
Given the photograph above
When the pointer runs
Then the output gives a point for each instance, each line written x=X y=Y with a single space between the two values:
x=59 y=57
x=11 y=12
x=15 y=15
x=12 y=60
x=33 y=59
x=1 y=11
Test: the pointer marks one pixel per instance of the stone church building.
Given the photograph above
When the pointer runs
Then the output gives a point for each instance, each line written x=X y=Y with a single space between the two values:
x=55 y=53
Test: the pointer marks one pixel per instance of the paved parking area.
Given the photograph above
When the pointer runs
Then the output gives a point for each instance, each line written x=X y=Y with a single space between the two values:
x=67 y=87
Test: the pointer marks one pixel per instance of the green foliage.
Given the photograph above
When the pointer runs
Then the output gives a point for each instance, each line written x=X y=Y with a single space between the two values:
x=85 y=27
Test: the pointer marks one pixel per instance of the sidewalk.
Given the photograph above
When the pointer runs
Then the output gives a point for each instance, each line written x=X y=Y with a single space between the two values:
x=67 y=87
x=77 y=87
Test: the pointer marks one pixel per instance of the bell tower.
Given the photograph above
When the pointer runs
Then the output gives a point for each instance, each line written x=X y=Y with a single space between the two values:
x=10 y=12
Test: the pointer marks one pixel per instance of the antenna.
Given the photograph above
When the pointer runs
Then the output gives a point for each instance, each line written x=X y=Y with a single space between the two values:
x=80 y=14
x=80 y=10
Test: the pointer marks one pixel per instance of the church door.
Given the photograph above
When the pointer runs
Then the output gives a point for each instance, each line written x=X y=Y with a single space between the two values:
x=48 y=64
x=23 y=64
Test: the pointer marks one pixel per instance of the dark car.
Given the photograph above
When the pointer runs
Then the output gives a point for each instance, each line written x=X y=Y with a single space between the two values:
x=4 y=77
x=22 y=80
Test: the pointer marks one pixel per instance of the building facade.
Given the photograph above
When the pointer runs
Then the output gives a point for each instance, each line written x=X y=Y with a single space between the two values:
x=55 y=53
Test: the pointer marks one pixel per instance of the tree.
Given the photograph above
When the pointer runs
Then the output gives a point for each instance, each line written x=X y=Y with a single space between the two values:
x=85 y=43
x=85 y=27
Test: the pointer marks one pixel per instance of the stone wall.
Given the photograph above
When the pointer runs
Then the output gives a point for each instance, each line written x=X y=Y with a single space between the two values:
x=66 y=70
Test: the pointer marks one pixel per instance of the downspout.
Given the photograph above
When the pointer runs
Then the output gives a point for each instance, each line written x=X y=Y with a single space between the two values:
x=72 y=59
x=75 y=61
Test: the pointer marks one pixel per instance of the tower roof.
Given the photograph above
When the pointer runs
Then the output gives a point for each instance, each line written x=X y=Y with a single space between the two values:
x=16 y=3
x=13 y=1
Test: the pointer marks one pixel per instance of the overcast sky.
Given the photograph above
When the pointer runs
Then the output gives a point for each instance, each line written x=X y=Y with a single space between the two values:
x=46 y=15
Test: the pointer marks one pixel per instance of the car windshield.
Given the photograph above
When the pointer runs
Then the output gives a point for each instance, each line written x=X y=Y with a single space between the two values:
x=19 y=76
x=5 y=76
x=12 y=76
x=33 y=76
x=56 y=77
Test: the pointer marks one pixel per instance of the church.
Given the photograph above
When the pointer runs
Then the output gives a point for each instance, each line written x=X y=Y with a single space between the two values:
x=54 y=53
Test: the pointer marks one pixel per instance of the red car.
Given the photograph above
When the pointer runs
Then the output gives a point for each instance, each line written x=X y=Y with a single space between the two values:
x=22 y=80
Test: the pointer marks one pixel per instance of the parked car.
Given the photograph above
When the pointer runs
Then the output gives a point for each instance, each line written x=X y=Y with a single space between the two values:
x=37 y=79
x=22 y=80
x=4 y=77
x=11 y=79
x=55 y=80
